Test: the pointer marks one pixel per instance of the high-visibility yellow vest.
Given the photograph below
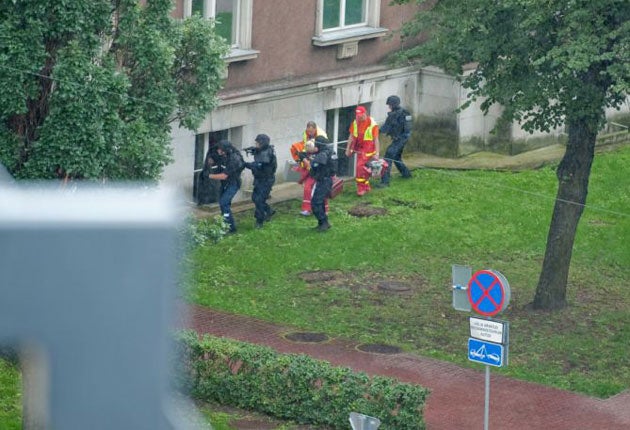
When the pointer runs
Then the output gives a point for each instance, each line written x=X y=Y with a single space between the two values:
x=318 y=132
x=367 y=136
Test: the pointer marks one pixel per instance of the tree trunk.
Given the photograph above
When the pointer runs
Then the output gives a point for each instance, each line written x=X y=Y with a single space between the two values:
x=573 y=174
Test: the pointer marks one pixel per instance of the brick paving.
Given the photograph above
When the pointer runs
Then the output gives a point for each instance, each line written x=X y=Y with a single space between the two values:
x=457 y=394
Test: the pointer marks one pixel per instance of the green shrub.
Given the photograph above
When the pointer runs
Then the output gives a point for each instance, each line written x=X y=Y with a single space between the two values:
x=203 y=231
x=293 y=387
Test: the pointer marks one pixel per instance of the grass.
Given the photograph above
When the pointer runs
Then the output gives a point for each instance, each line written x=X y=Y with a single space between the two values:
x=483 y=219
x=10 y=398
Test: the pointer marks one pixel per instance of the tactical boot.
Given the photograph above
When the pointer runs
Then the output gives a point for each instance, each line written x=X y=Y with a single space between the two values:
x=323 y=227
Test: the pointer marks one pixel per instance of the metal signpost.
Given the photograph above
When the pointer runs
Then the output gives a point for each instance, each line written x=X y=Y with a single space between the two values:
x=488 y=294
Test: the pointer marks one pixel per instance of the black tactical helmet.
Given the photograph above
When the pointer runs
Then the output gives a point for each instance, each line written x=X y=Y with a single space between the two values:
x=393 y=101
x=321 y=143
x=263 y=139
x=225 y=146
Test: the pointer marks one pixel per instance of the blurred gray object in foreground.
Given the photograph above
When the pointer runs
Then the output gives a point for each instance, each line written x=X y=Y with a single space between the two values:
x=88 y=279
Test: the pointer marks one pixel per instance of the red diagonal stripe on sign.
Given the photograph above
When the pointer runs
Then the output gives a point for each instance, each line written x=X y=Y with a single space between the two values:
x=486 y=292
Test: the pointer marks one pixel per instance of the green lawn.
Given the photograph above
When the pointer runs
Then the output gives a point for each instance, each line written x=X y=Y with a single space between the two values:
x=10 y=398
x=484 y=219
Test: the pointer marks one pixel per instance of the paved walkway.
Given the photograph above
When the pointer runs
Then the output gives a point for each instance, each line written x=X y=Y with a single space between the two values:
x=457 y=394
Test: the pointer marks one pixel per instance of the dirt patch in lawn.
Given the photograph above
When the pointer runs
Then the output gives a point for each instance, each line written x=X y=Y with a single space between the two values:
x=366 y=210
x=317 y=276
x=372 y=281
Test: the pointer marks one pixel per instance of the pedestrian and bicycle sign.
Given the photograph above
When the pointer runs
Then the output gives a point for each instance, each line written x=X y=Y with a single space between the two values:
x=488 y=292
x=488 y=353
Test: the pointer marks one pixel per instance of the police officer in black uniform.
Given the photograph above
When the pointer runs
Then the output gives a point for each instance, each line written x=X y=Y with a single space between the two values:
x=231 y=165
x=264 y=170
x=397 y=126
x=321 y=168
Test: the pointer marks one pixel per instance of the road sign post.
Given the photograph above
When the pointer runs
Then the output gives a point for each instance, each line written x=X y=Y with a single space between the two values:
x=488 y=294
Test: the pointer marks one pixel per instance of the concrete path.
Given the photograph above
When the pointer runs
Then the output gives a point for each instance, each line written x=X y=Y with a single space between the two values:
x=457 y=394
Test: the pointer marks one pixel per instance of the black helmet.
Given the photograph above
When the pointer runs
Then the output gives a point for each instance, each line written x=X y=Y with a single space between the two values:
x=225 y=146
x=321 y=143
x=263 y=139
x=393 y=101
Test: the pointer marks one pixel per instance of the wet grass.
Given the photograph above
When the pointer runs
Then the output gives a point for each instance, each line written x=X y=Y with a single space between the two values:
x=483 y=219
x=10 y=398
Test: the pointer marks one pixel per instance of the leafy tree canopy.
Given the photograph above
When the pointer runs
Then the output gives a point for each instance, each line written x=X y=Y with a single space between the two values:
x=544 y=60
x=89 y=89
x=549 y=63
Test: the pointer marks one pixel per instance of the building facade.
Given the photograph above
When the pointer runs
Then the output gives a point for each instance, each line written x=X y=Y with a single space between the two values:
x=298 y=61
x=293 y=61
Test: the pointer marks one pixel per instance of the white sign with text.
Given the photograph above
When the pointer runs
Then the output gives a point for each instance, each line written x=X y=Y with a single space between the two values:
x=488 y=330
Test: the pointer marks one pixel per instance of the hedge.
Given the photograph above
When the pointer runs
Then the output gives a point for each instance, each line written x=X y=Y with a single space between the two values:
x=291 y=386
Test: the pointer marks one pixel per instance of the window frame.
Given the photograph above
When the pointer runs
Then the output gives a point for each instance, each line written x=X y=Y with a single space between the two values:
x=353 y=33
x=241 y=47
x=342 y=14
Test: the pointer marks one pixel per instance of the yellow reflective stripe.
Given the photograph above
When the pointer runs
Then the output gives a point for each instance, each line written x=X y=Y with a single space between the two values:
x=368 y=132
x=369 y=154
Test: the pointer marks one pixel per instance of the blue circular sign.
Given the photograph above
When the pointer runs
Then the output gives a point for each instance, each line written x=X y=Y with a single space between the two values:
x=488 y=292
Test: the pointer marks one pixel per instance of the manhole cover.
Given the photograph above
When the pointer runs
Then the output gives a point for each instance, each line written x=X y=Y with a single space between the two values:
x=306 y=337
x=394 y=286
x=379 y=348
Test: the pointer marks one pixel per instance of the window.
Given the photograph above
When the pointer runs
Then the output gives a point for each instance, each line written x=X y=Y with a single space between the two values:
x=343 y=13
x=233 y=22
x=345 y=23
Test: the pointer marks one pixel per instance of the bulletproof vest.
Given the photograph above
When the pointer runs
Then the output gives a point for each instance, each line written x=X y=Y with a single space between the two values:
x=320 y=165
x=407 y=120
x=267 y=158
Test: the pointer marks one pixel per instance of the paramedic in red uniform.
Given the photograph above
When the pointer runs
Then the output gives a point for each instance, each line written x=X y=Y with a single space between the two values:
x=364 y=141
x=298 y=151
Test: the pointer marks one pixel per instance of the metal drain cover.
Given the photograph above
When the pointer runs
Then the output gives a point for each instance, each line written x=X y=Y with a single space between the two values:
x=379 y=348
x=306 y=337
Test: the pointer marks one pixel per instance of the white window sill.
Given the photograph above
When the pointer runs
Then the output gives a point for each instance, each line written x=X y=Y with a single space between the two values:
x=339 y=37
x=239 y=54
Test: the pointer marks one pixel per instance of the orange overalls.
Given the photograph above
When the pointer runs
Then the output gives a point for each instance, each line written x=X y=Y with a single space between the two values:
x=305 y=179
x=365 y=132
